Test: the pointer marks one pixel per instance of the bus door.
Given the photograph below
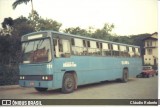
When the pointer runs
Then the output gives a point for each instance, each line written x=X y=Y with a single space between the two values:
x=61 y=57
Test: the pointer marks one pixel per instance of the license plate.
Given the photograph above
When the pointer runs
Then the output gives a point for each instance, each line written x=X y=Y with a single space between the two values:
x=31 y=83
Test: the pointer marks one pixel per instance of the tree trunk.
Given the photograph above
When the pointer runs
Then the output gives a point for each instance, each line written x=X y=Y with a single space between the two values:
x=32 y=9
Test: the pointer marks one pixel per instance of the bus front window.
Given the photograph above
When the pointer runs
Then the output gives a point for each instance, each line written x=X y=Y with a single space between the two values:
x=36 y=51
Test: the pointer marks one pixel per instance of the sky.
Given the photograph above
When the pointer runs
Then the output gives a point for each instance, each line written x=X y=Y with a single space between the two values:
x=128 y=16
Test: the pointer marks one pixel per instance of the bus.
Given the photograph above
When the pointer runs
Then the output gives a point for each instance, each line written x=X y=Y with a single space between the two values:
x=54 y=60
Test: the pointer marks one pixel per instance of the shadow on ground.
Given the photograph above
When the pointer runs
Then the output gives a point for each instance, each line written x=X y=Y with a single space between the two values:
x=82 y=87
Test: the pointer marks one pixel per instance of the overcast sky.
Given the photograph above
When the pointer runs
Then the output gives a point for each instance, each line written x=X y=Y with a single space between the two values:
x=128 y=16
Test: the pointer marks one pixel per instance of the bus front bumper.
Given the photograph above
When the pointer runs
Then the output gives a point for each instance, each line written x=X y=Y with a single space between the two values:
x=40 y=84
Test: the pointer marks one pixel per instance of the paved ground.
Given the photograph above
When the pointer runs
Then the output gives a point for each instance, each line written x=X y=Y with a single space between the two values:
x=135 y=88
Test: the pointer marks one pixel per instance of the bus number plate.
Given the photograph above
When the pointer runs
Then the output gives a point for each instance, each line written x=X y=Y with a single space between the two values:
x=31 y=84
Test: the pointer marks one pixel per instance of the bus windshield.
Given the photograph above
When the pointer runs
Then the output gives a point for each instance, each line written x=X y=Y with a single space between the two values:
x=36 y=51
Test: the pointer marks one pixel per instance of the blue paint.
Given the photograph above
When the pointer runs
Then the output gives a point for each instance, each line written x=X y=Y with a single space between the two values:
x=88 y=70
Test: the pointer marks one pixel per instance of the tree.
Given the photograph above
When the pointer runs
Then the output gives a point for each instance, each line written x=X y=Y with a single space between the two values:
x=10 y=44
x=18 y=2
x=38 y=23
x=77 y=31
x=7 y=26
x=22 y=26
x=8 y=22
x=104 y=33
x=49 y=24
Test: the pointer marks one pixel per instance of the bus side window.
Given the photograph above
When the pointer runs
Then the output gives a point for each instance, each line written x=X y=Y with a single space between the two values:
x=137 y=52
x=85 y=51
x=64 y=48
x=133 y=49
x=56 y=47
x=105 y=49
x=115 y=51
x=110 y=49
x=127 y=53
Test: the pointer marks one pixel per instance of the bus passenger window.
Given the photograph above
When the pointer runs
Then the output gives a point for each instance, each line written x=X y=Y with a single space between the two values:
x=105 y=49
x=115 y=51
x=100 y=45
x=123 y=51
x=79 y=47
x=131 y=53
x=94 y=50
x=56 y=47
x=133 y=49
x=127 y=51
x=84 y=43
x=88 y=43
x=72 y=42
x=64 y=48
x=137 y=53
x=97 y=44
x=85 y=52
x=98 y=49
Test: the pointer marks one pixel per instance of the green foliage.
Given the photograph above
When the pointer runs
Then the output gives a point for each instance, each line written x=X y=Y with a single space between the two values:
x=18 y=2
x=40 y=24
x=9 y=75
x=22 y=26
x=77 y=31
x=8 y=22
x=103 y=33
x=48 y=24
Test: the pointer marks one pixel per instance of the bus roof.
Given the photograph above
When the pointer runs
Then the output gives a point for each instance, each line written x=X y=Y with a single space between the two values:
x=82 y=37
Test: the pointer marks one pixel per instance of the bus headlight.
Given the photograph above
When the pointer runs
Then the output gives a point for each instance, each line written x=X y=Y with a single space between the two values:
x=22 y=77
x=43 y=78
x=46 y=78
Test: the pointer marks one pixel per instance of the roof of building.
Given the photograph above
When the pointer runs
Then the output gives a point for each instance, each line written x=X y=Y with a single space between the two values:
x=153 y=36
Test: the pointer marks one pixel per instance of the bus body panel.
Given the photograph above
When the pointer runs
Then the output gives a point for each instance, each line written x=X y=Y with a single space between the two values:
x=34 y=70
x=39 y=69
x=41 y=84
x=88 y=70
x=94 y=69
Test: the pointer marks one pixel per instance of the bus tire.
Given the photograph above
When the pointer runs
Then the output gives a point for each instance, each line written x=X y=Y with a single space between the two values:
x=69 y=83
x=125 y=75
x=41 y=89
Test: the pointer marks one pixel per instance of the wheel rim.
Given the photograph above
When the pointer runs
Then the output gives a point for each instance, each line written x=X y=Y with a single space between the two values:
x=69 y=83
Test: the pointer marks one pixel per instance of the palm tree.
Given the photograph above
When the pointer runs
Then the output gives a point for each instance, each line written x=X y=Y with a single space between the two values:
x=18 y=2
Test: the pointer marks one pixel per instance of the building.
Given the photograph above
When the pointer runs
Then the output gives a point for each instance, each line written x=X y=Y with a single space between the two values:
x=151 y=50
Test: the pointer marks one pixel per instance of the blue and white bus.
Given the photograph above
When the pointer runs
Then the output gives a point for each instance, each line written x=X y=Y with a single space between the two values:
x=53 y=60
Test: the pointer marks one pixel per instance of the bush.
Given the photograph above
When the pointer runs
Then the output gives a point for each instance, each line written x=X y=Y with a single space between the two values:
x=9 y=75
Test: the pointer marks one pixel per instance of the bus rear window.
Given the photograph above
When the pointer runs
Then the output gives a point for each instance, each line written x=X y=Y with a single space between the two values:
x=36 y=51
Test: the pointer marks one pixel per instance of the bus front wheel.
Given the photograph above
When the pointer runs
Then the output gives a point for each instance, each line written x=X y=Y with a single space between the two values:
x=69 y=83
x=125 y=75
x=41 y=89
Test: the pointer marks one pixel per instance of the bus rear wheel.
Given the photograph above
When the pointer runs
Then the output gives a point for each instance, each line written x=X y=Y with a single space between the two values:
x=125 y=75
x=41 y=89
x=69 y=83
